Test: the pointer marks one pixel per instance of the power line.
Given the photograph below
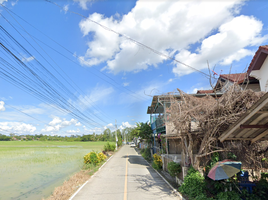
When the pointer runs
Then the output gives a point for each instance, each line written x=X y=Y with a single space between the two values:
x=128 y=90
x=132 y=40
x=57 y=82
x=49 y=94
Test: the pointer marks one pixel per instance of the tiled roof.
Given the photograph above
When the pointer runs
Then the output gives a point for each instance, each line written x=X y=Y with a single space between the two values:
x=204 y=91
x=238 y=78
x=258 y=58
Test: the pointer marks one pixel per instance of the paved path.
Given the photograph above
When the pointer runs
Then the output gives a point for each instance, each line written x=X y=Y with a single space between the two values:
x=127 y=176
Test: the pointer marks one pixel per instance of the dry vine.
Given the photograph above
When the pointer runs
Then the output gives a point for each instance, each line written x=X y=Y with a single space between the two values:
x=212 y=116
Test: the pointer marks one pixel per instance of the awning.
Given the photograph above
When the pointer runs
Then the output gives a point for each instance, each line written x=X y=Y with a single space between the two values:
x=252 y=125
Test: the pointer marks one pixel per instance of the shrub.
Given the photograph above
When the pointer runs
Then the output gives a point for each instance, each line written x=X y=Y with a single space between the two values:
x=174 y=168
x=194 y=184
x=142 y=151
x=109 y=147
x=91 y=158
x=101 y=156
x=157 y=163
x=229 y=195
x=147 y=154
x=261 y=189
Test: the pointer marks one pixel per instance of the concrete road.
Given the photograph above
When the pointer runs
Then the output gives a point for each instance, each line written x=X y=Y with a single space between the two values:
x=127 y=176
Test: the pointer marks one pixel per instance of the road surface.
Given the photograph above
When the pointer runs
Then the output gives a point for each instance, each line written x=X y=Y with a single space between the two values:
x=126 y=176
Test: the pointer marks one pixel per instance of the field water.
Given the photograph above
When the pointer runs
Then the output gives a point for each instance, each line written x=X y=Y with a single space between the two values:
x=31 y=170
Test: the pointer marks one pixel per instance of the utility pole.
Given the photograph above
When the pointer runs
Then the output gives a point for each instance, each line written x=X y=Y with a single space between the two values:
x=116 y=139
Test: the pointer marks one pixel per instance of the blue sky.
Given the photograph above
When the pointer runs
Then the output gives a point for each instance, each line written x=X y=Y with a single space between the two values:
x=104 y=76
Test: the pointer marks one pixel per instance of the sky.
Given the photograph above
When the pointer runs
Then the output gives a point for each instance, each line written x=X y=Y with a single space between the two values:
x=78 y=67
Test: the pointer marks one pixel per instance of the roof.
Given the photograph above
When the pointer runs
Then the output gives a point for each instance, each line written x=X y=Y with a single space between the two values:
x=237 y=78
x=157 y=107
x=258 y=59
x=204 y=91
x=252 y=125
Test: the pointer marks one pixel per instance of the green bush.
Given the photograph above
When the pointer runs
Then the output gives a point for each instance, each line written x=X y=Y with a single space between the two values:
x=261 y=189
x=194 y=184
x=147 y=154
x=229 y=195
x=109 y=147
x=174 y=168
x=142 y=151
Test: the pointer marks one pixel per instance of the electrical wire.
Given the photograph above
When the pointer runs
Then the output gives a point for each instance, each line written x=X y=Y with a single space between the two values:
x=132 y=40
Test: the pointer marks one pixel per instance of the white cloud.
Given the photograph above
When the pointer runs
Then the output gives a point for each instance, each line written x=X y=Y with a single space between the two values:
x=68 y=123
x=73 y=131
x=78 y=124
x=17 y=127
x=127 y=125
x=228 y=45
x=66 y=8
x=14 y=2
x=2 y=1
x=29 y=59
x=83 y=3
x=171 y=27
x=2 y=106
x=57 y=124
x=56 y=120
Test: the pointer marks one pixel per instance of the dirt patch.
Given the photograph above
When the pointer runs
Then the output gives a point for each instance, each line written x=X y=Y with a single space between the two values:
x=70 y=186
x=65 y=191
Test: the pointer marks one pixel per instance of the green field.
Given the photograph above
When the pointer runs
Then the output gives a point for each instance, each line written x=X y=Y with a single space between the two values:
x=32 y=169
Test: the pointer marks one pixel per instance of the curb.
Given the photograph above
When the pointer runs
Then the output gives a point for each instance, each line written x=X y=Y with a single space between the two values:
x=174 y=190
x=88 y=180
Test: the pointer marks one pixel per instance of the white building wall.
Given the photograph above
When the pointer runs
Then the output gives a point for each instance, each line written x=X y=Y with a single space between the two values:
x=262 y=75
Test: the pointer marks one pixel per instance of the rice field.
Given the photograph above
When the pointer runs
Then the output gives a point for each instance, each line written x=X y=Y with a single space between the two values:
x=32 y=169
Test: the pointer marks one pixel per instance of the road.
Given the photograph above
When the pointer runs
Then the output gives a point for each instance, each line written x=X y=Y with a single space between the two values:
x=126 y=176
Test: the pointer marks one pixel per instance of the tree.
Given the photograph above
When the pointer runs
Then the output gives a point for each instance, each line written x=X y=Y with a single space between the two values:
x=143 y=130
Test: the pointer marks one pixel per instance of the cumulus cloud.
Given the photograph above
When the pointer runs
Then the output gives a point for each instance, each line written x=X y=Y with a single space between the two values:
x=57 y=124
x=126 y=125
x=172 y=27
x=73 y=131
x=56 y=120
x=2 y=106
x=17 y=127
x=78 y=124
x=228 y=45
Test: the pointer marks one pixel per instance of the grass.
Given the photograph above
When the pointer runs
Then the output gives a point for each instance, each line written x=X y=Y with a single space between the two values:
x=32 y=169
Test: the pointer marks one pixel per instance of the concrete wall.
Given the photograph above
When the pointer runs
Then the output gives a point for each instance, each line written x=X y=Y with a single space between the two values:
x=262 y=75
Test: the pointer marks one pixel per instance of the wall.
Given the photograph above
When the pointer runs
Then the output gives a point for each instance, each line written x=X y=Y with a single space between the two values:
x=262 y=76
x=175 y=146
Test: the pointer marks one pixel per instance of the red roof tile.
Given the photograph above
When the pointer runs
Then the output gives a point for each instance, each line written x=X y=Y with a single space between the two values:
x=238 y=78
x=258 y=58
x=204 y=91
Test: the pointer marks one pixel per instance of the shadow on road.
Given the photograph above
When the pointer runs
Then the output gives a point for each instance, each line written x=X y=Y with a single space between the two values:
x=136 y=159
x=151 y=183
x=148 y=182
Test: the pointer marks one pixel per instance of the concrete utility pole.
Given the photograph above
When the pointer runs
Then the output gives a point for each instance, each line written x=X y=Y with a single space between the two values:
x=116 y=139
